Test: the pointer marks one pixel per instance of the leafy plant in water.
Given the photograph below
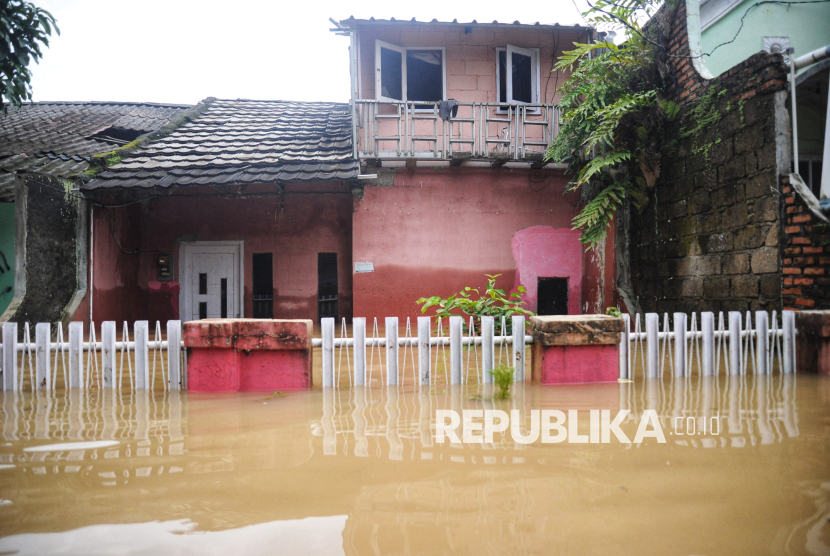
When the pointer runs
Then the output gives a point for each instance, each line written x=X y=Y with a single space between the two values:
x=503 y=379
x=469 y=301
x=613 y=117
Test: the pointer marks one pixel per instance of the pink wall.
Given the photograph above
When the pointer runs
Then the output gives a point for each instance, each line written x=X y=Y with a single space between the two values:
x=543 y=251
x=471 y=59
x=309 y=224
x=437 y=231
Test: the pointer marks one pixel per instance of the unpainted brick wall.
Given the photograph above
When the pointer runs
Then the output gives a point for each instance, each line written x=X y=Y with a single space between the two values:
x=806 y=261
x=710 y=238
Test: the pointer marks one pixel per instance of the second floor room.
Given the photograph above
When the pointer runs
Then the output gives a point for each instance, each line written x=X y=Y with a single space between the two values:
x=500 y=76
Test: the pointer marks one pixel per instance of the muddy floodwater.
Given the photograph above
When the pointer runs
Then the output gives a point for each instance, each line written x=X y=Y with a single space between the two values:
x=358 y=471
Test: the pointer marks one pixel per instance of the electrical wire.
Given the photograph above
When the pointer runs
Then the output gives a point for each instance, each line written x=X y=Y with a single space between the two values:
x=663 y=48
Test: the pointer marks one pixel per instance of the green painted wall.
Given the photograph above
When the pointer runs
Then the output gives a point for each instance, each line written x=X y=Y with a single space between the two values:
x=6 y=254
x=807 y=26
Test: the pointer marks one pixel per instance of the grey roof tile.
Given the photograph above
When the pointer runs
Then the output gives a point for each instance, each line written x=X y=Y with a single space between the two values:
x=244 y=141
x=55 y=138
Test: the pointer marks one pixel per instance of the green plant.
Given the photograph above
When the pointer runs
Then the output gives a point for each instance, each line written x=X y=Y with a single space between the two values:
x=613 y=312
x=613 y=119
x=503 y=379
x=469 y=301
x=23 y=29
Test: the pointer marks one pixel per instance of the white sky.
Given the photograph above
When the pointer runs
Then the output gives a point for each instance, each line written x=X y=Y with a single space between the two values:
x=181 y=51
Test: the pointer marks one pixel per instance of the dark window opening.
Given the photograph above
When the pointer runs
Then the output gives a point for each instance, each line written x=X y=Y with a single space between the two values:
x=810 y=172
x=202 y=309
x=202 y=284
x=522 y=70
x=391 y=78
x=424 y=75
x=223 y=298
x=552 y=296
x=263 y=275
x=327 y=285
x=118 y=135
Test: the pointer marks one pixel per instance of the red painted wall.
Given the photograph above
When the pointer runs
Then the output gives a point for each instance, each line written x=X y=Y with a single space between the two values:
x=315 y=218
x=438 y=230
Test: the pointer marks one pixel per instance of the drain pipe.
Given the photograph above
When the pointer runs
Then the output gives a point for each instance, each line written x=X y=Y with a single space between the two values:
x=791 y=52
x=91 y=259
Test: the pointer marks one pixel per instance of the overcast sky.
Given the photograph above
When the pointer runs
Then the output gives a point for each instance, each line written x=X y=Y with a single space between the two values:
x=181 y=51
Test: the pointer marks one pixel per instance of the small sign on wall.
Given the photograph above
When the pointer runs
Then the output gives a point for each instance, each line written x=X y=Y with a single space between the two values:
x=363 y=267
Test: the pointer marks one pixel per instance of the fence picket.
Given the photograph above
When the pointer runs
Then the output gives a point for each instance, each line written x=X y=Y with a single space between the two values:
x=487 y=347
x=359 y=336
x=76 y=355
x=108 y=353
x=735 y=367
x=174 y=353
x=391 y=330
x=519 y=356
x=327 y=332
x=142 y=361
x=679 y=344
x=455 y=349
x=424 y=361
x=43 y=357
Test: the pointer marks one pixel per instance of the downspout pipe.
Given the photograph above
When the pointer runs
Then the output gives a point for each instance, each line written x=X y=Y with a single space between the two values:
x=809 y=59
x=794 y=117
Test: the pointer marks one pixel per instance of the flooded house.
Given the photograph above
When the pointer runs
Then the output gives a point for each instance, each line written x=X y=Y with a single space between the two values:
x=432 y=176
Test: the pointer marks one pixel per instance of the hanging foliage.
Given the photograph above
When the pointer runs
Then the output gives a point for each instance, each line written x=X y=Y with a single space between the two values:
x=613 y=114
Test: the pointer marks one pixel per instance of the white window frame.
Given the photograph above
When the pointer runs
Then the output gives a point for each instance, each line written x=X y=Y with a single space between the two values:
x=403 y=50
x=535 y=76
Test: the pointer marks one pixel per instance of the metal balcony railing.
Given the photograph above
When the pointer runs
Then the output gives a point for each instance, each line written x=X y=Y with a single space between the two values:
x=414 y=130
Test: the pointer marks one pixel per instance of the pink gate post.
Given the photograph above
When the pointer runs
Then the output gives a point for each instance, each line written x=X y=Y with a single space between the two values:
x=574 y=349
x=231 y=355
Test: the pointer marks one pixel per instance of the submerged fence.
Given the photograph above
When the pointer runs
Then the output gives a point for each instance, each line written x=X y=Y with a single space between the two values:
x=455 y=350
x=79 y=360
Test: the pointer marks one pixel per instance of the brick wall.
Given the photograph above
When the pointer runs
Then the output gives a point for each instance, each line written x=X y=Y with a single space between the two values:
x=806 y=260
x=710 y=238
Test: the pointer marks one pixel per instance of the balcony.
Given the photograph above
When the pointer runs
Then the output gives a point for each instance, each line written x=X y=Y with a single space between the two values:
x=494 y=132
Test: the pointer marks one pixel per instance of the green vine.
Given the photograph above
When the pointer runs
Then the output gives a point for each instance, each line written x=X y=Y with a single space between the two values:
x=614 y=114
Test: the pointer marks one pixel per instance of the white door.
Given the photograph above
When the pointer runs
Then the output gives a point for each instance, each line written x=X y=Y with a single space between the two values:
x=211 y=277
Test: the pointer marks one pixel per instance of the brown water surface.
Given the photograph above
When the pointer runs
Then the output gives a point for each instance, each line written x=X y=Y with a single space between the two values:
x=356 y=471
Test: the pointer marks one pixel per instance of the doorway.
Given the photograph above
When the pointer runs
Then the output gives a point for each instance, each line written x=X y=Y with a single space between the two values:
x=211 y=280
x=326 y=286
x=552 y=296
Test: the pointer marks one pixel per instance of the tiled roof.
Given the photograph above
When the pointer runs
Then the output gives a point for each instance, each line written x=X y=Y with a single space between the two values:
x=55 y=138
x=352 y=21
x=244 y=142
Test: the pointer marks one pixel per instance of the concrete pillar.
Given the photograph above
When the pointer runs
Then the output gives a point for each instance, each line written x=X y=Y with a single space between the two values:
x=812 y=345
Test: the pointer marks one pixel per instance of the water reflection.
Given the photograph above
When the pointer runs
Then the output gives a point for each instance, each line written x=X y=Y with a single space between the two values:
x=201 y=473
x=310 y=536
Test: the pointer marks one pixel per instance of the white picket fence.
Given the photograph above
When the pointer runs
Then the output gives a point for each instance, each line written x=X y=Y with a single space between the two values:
x=705 y=348
x=685 y=345
x=461 y=361
x=80 y=362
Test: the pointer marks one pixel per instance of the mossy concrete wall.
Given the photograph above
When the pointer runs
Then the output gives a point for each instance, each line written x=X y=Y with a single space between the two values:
x=6 y=255
x=710 y=238
x=49 y=251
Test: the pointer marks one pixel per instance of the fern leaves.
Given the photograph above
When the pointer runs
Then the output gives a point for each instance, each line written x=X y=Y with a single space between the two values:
x=597 y=215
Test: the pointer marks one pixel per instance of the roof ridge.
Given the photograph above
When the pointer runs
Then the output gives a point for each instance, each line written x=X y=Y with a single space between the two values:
x=104 y=160
x=109 y=103
x=345 y=103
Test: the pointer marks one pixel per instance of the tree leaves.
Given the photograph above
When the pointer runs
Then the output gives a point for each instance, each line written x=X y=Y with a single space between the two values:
x=612 y=116
x=23 y=29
